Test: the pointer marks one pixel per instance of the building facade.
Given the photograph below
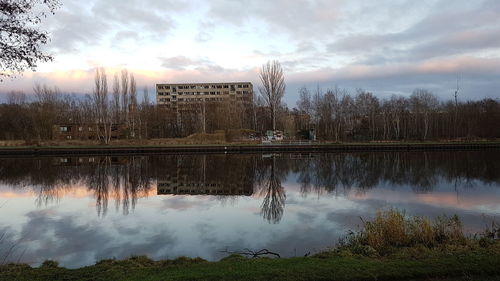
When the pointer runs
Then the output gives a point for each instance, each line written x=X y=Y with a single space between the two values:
x=85 y=131
x=184 y=96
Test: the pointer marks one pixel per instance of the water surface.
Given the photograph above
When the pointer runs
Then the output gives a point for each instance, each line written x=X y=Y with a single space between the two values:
x=79 y=210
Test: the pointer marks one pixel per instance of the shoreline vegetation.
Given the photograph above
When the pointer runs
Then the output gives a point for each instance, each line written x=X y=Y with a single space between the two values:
x=392 y=246
x=199 y=145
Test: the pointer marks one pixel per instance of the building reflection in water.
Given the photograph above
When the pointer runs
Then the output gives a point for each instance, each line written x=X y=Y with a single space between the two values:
x=203 y=177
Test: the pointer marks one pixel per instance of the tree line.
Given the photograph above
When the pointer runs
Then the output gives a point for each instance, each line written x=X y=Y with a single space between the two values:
x=334 y=114
x=340 y=116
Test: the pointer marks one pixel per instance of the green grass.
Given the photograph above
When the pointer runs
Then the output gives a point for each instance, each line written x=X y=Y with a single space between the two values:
x=392 y=246
x=459 y=265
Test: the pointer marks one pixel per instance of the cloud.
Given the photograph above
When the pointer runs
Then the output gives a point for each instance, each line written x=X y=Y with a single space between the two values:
x=182 y=62
x=296 y=17
x=445 y=30
x=81 y=25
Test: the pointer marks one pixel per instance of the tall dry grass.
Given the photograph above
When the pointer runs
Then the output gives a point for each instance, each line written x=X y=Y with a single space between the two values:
x=394 y=229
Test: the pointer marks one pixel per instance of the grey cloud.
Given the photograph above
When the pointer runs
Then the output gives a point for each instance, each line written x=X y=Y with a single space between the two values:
x=479 y=79
x=294 y=17
x=203 y=36
x=205 y=30
x=446 y=30
x=76 y=25
x=182 y=62
x=126 y=35
x=136 y=13
x=73 y=27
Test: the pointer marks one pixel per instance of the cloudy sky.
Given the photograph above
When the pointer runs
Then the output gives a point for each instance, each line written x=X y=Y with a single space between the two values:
x=387 y=46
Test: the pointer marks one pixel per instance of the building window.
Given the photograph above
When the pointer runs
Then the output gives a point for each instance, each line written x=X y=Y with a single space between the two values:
x=80 y=129
x=64 y=129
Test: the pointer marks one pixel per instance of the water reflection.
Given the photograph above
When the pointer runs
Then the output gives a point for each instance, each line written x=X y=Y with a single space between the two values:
x=196 y=205
x=272 y=191
x=125 y=179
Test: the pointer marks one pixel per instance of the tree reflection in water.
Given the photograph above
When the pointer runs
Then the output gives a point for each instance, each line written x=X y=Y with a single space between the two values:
x=228 y=177
x=273 y=204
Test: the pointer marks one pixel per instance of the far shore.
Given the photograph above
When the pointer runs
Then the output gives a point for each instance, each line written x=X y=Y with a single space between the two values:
x=179 y=146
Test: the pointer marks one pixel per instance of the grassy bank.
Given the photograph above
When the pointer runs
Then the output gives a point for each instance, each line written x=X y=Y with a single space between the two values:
x=210 y=139
x=390 y=247
x=74 y=148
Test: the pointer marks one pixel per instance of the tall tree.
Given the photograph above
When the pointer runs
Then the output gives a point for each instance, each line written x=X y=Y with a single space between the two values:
x=116 y=98
x=101 y=108
x=125 y=96
x=273 y=86
x=20 y=39
x=423 y=103
x=367 y=107
x=133 y=105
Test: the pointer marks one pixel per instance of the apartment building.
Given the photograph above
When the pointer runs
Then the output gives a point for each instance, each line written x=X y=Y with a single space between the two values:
x=184 y=96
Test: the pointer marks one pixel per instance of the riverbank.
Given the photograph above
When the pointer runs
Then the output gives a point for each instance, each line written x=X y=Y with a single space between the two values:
x=479 y=264
x=86 y=149
x=390 y=247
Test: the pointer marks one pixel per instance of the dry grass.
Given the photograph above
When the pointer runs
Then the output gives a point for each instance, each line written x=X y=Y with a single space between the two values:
x=12 y=143
x=394 y=229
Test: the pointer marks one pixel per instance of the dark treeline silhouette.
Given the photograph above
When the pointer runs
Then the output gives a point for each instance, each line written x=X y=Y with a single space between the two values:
x=338 y=115
x=125 y=179
x=335 y=114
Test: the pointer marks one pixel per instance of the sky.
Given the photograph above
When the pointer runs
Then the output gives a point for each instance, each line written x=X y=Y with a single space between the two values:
x=386 y=47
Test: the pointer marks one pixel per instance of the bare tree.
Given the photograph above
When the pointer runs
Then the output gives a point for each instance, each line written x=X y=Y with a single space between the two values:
x=125 y=96
x=133 y=105
x=423 y=103
x=397 y=107
x=273 y=86
x=367 y=107
x=21 y=41
x=145 y=96
x=116 y=98
x=101 y=110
